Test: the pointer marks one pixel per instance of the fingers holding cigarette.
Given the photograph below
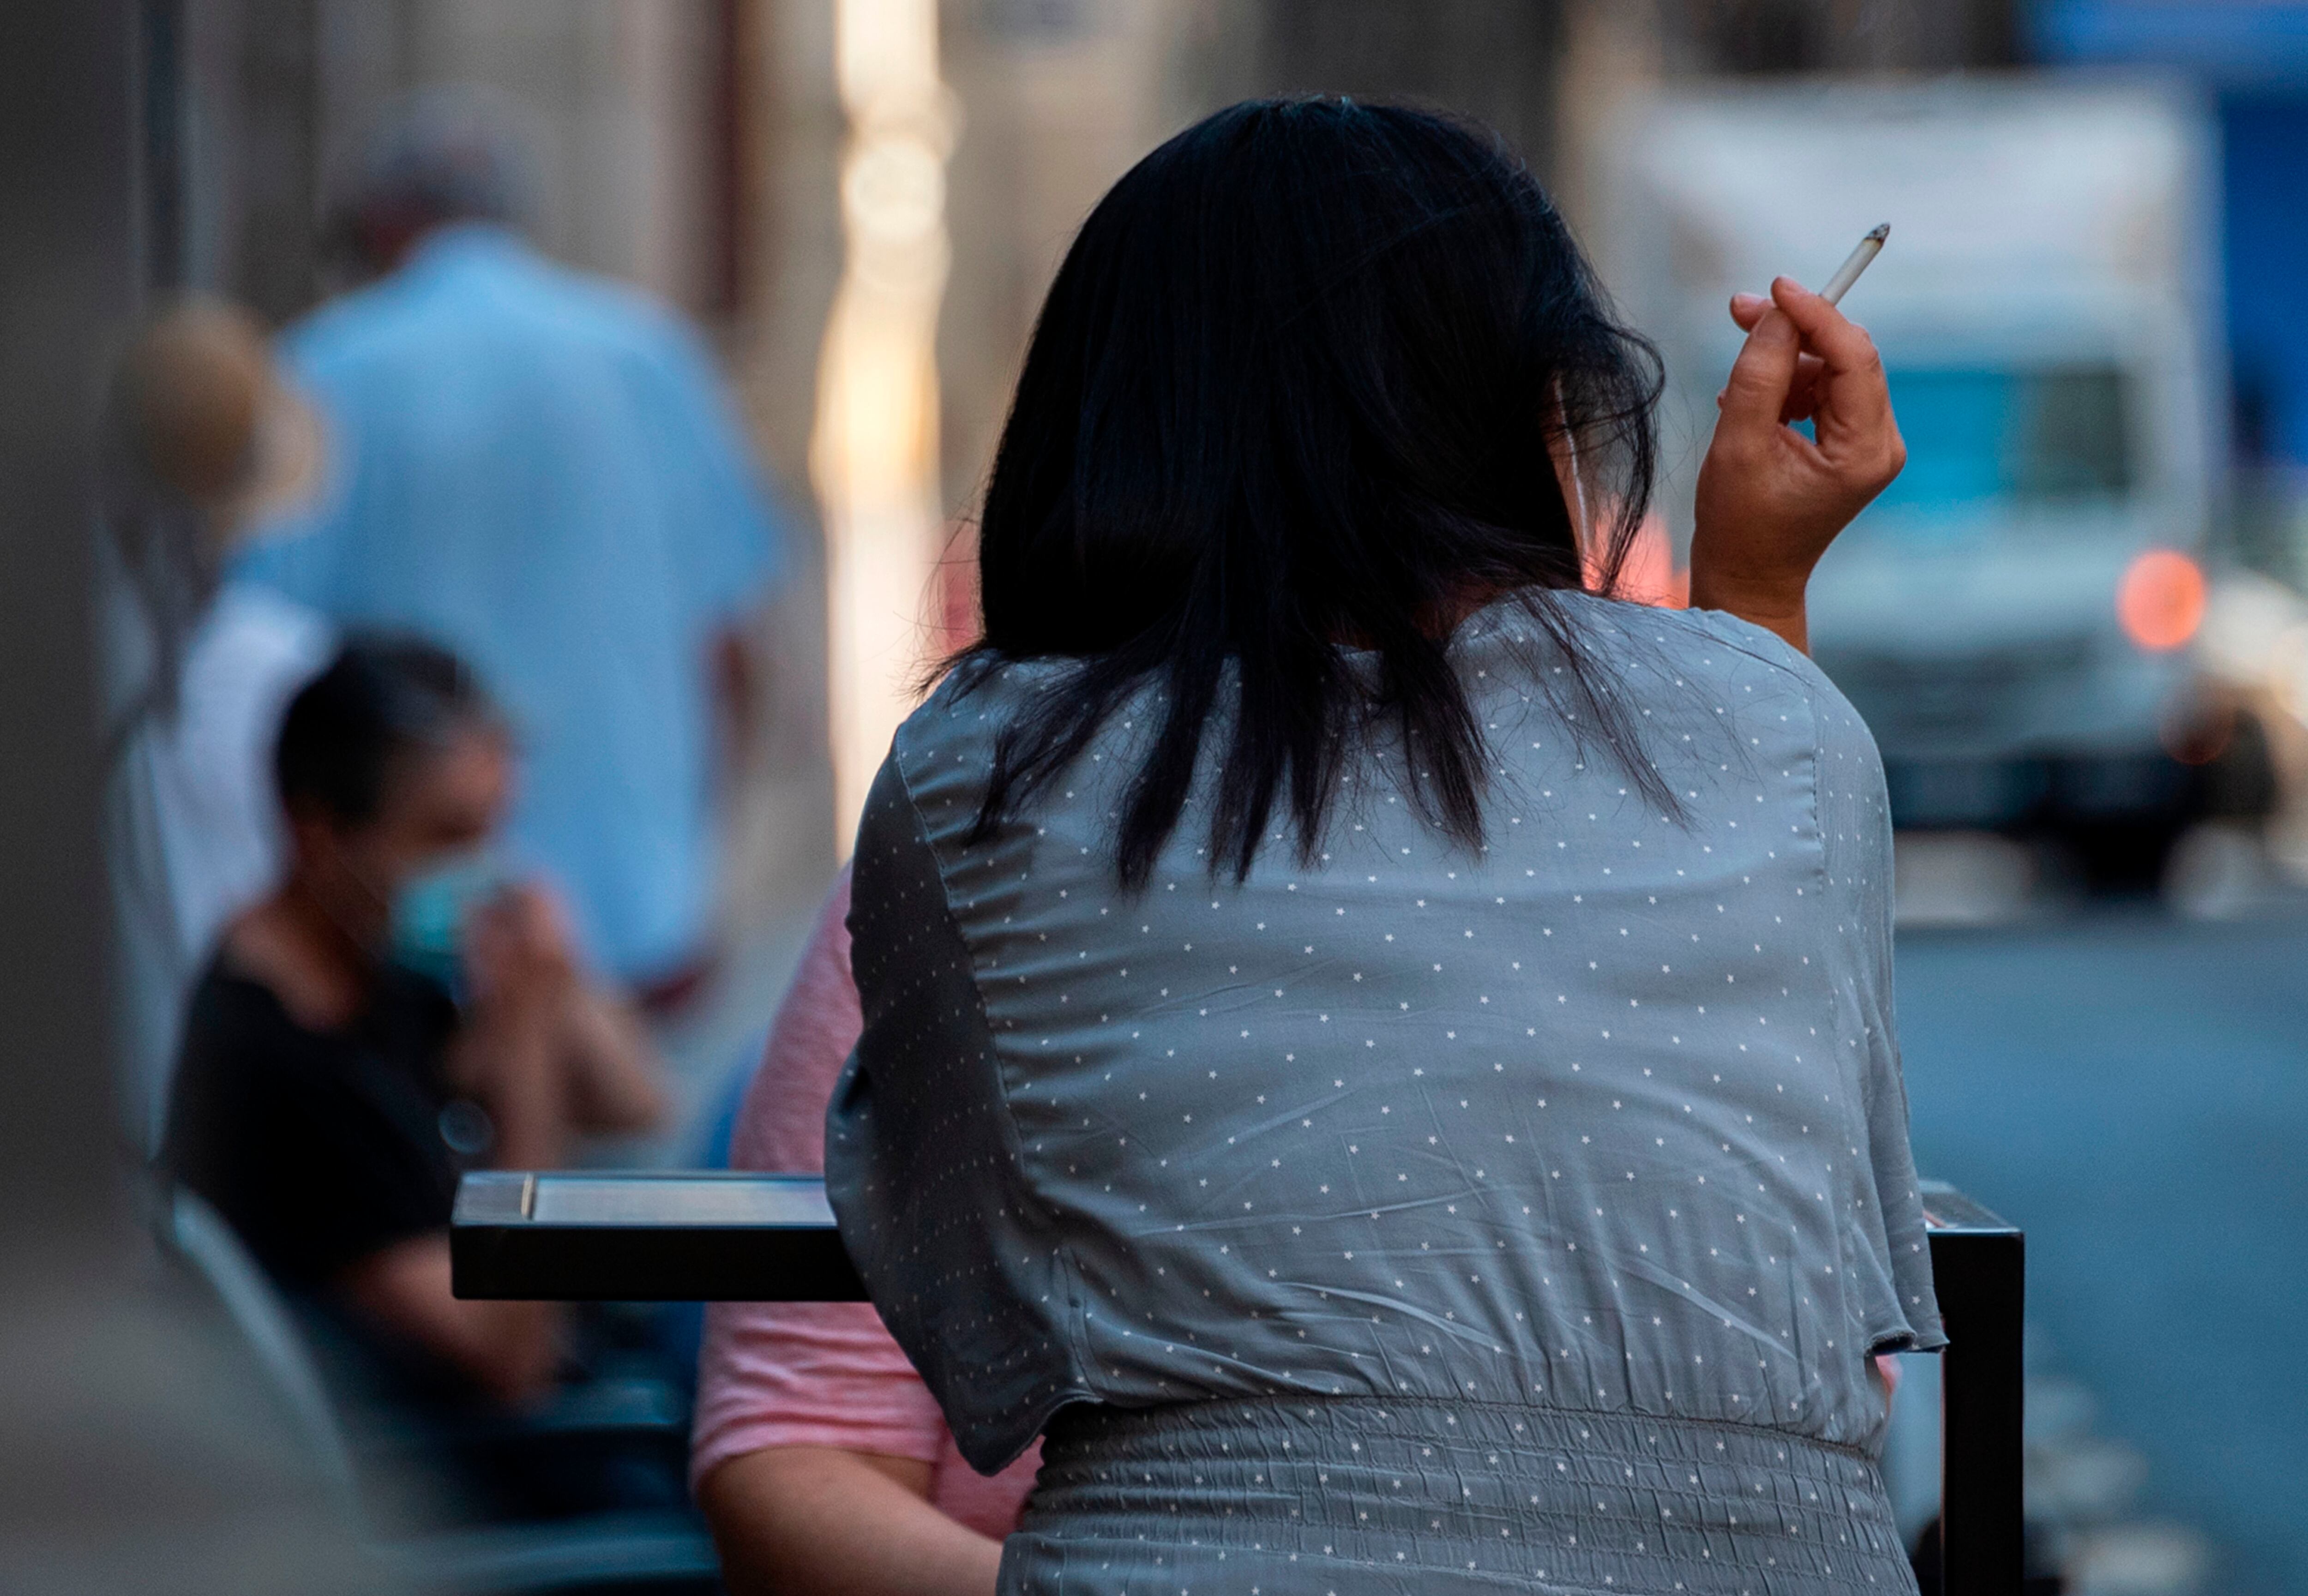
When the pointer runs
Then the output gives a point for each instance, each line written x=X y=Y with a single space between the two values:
x=1804 y=386
x=1850 y=383
x=1797 y=347
x=1836 y=378
x=1803 y=390
x=1804 y=360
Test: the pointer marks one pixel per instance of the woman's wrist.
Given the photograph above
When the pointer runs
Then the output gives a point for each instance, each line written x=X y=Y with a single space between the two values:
x=1775 y=604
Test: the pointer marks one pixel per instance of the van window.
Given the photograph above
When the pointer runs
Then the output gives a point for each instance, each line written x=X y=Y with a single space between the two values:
x=2031 y=439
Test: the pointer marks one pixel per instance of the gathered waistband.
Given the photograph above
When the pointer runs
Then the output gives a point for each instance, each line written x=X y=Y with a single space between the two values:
x=1355 y=1494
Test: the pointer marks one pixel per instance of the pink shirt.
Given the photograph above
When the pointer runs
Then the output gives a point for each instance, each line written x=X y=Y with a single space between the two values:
x=824 y=1374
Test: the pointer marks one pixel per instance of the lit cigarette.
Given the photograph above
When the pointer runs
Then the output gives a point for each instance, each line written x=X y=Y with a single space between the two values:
x=1855 y=263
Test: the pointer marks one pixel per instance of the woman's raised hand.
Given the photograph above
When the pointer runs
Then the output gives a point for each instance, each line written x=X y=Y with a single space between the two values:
x=1770 y=499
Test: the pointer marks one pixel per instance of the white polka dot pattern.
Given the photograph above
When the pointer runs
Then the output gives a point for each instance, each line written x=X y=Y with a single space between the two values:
x=1607 y=1117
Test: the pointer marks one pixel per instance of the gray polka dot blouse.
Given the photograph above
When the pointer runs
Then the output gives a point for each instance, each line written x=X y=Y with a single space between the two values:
x=1603 y=1117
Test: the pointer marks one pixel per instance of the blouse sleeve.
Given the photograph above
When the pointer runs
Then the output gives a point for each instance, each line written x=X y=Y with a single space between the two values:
x=803 y=1373
x=1893 y=1260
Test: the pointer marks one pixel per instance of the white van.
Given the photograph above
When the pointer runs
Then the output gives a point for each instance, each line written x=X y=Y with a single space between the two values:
x=2012 y=616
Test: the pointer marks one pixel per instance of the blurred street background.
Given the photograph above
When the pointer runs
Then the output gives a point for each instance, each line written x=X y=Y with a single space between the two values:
x=2079 y=625
x=2131 y=1084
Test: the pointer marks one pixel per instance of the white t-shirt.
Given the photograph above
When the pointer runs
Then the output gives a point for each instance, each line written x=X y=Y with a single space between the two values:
x=202 y=830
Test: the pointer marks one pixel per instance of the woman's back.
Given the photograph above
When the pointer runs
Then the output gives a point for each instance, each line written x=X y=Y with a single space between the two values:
x=1604 y=1118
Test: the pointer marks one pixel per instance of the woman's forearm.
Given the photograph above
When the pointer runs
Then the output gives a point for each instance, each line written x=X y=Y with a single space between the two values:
x=822 y=1521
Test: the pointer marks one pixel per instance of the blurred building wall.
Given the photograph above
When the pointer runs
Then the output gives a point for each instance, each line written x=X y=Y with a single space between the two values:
x=784 y=177
x=618 y=95
x=1833 y=36
x=141 y=1450
x=1494 y=60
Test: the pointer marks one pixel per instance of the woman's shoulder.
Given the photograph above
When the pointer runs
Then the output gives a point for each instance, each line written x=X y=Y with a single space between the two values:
x=1724 y=641
x=948 y=744
x=982 y=689
x=1635 y=645
x=1706 y=642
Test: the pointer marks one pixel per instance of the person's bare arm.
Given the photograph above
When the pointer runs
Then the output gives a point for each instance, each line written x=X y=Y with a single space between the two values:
x=509 y=1050
x=1771 y=501
x=616 y=1081
x=508 y=1348
x=821 y=1521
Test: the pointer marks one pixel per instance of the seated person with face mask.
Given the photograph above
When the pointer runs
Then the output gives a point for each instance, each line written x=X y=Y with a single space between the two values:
x=400 y=1007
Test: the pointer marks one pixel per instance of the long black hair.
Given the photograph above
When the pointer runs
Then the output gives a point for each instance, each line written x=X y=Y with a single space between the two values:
x=1299 y=384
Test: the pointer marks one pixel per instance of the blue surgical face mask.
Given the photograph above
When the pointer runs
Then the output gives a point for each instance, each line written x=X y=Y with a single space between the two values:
x=430 y=911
